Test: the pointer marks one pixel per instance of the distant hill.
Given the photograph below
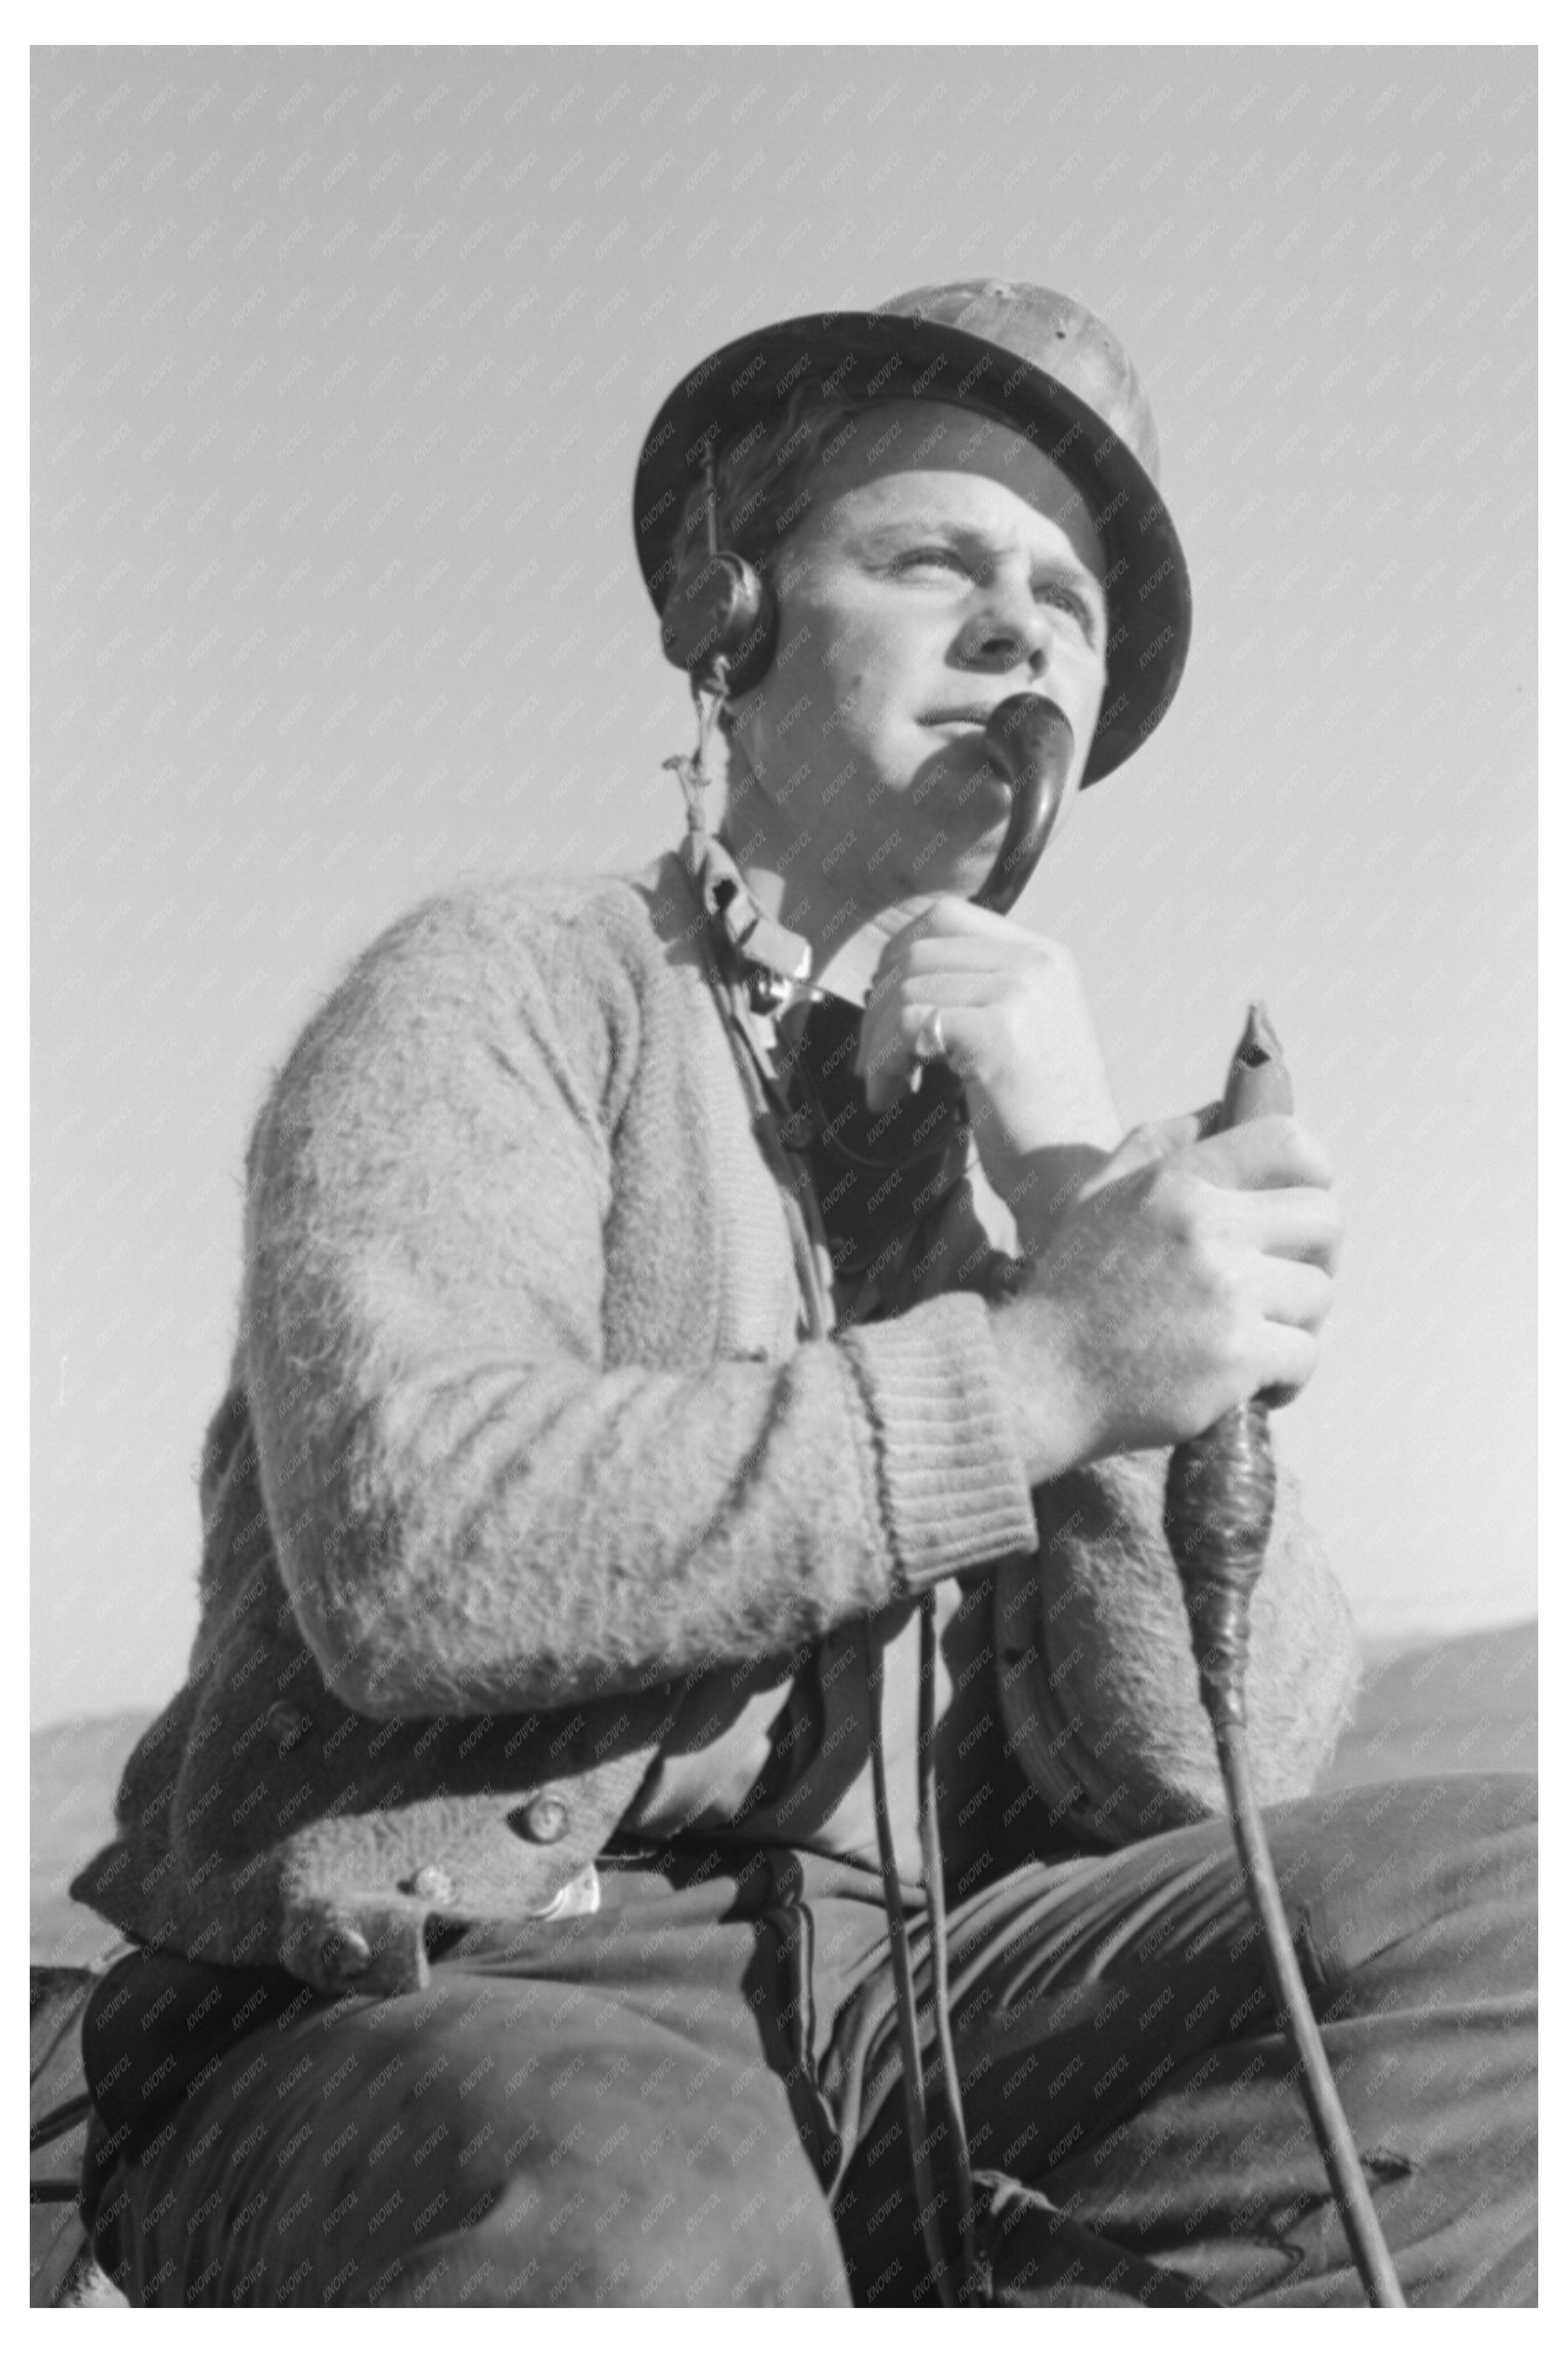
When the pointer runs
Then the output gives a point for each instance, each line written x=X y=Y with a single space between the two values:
x=1466 y=1705
x=76 y=1771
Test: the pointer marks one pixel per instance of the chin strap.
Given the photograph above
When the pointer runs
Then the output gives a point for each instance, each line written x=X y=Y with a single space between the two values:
x=774 y=959
x=692 y=767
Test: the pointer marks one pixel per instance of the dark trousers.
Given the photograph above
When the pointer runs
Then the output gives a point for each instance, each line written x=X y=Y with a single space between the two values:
x=692 y=2096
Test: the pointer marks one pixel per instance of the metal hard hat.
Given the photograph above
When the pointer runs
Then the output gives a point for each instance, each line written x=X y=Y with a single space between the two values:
x=1020 y=355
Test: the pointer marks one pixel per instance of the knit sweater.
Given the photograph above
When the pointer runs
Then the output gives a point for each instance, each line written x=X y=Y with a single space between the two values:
x=522 y=1434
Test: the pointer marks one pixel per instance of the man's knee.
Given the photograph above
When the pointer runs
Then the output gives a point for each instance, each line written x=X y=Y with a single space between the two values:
x=620 y=2195
x=723 y=2214
x=1387 y=1872
x=480 y=2145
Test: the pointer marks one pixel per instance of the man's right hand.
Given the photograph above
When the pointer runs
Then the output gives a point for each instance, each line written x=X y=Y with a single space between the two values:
x=1188 y=1272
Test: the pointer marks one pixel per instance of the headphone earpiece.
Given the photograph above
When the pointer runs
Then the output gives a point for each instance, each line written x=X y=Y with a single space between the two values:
x=720 y=606
x=721 y=619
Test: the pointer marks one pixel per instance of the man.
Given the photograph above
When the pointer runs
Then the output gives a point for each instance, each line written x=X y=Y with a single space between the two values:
x=636 y=1332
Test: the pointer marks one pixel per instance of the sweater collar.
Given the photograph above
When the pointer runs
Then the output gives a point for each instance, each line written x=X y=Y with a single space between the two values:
x=769 y=959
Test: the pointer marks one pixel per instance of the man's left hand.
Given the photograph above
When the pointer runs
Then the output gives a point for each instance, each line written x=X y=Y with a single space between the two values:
x=1015 y=1028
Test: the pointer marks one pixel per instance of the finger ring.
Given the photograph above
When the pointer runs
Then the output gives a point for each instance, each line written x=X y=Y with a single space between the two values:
x=930 y=1046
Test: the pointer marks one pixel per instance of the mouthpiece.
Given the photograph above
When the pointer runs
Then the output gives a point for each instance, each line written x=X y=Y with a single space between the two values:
x=1031 y=741
x=1257 y=1081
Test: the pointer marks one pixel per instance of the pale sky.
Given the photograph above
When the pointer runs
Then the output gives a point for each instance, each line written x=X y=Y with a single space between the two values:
x=340 y=361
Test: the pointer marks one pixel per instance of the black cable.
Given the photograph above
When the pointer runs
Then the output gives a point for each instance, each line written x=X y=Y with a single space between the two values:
x=915 y=2111
x=936 y=1913
x=1219 y=1508
x=1351 y=2196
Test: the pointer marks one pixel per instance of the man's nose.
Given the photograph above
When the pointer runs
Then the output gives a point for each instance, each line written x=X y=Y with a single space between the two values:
x=1006 y=629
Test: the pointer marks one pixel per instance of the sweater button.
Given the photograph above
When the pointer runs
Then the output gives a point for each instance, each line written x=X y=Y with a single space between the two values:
x=285 y=1722
x=431 y=1884
x=545 y=1820
x=346 y=1954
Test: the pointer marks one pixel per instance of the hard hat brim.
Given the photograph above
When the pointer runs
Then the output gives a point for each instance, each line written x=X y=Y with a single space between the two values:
x=870 y=355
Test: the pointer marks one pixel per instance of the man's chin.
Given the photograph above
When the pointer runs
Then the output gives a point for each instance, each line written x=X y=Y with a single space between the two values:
x=910 y=896
x=950 y=872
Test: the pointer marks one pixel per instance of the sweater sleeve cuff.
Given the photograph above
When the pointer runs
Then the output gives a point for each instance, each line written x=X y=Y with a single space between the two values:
x=952 y=1490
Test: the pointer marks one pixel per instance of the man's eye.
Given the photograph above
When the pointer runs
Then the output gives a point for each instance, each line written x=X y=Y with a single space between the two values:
x=1071 y=601
x=915 y=556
